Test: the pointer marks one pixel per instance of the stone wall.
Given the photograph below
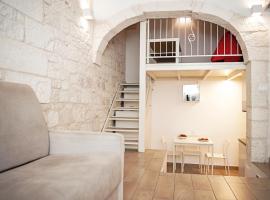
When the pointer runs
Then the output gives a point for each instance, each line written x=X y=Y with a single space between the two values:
x=44 y=46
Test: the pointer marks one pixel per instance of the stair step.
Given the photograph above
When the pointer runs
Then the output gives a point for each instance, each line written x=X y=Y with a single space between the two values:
x=126 y=109
x=130 y=100
x=131 y=147
x=126 y=130
x=124 y=118
x=130 y=84
x=129 y=91
x=131 y=139
x=131 y=143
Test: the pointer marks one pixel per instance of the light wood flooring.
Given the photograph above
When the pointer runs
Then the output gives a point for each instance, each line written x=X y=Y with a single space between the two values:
x=143 y=181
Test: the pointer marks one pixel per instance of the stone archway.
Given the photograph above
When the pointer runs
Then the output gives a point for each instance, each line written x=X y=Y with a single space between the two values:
x=251 y=34
x=238 y=25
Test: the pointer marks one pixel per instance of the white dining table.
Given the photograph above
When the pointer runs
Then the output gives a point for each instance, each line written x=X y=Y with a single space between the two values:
x=193 y=141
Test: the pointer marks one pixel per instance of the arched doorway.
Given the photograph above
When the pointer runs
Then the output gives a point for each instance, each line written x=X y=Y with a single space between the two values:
x=250 y=34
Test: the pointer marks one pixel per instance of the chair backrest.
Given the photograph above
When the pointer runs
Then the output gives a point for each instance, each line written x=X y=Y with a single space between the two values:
x=23 y=131
x=164 y=142
x=226 y=146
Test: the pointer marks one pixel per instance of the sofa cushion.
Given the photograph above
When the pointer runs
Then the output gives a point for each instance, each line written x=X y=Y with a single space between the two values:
x=23 y=131
x=58 y=177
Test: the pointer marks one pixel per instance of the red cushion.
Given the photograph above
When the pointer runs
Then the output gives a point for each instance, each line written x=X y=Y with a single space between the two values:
x=230 y=45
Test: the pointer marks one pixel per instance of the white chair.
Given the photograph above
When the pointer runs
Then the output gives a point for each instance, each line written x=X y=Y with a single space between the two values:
x=191 y=151
x=221 y=156
x=170 y=153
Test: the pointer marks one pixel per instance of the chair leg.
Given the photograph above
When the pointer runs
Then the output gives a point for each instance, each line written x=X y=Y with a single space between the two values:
x=183 y=164
x=225 y=166
x=228 y=166
x=212 y=166
x=200 y=160
x=204 y=164
x=208 y=165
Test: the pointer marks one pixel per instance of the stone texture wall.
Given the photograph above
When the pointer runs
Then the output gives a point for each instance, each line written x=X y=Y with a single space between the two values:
x=44 y=46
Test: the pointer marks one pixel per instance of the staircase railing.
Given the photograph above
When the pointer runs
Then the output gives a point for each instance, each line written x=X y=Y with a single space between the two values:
x=110 y=109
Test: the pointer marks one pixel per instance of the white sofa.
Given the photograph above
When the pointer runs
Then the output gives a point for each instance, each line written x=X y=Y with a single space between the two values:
x=38 y=164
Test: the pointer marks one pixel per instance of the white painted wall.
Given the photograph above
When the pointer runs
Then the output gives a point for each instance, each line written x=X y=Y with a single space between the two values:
x=133 y=54
x=218 y=115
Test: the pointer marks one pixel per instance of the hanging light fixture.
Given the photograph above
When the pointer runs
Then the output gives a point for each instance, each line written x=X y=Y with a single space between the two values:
x=184 y=20
x=86 y=9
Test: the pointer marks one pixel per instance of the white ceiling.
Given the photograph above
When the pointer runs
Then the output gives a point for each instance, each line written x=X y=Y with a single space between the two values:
x=196 y=74
x=104 y=9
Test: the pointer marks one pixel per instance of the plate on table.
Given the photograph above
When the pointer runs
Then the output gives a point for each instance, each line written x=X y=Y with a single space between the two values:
x=202 y=139
x=182 y=136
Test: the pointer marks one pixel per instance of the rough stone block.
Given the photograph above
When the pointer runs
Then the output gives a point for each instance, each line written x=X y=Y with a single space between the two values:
x=52 y=119
x=258 y=53
x=31 y=8
x=11 y=29
x=258 y=114
x=256 y=39
x=21 y=57
x=38 y=35
x=258 y=129
x=258 y=150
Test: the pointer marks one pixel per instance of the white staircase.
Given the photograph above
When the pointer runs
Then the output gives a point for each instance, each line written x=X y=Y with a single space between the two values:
x=123 y=117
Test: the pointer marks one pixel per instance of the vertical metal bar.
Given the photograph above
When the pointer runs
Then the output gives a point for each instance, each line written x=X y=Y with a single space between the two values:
x=237 y=48
x=148 y=41
x=211 y=38
x=177 y=50
x=191 y=49
x=154 y=37
x=166 y=36
x=179 y=37
x=217 y=39
x=203 y=37
x=172 y=35
x=224 y=45
x=172 y=28
x=231 y=42
x=185 y=36
x=198 y=26
x=160 y=29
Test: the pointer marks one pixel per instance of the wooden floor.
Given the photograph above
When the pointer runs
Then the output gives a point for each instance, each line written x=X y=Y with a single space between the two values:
x=194 y=169
x=144 y=181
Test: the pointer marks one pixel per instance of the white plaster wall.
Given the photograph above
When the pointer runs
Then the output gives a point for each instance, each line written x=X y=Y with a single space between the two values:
x=218 y=115
x=133 y=54
x=43 y=45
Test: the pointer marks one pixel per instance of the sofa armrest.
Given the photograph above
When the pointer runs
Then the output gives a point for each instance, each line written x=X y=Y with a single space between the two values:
x=80 y=142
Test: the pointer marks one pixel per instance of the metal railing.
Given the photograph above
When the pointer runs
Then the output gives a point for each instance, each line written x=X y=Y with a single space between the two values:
x=178 y=39
x=110 y=109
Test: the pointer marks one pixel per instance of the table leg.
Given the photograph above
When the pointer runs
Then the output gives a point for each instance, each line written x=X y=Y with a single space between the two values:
x=212 y=159
x=174 y=157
